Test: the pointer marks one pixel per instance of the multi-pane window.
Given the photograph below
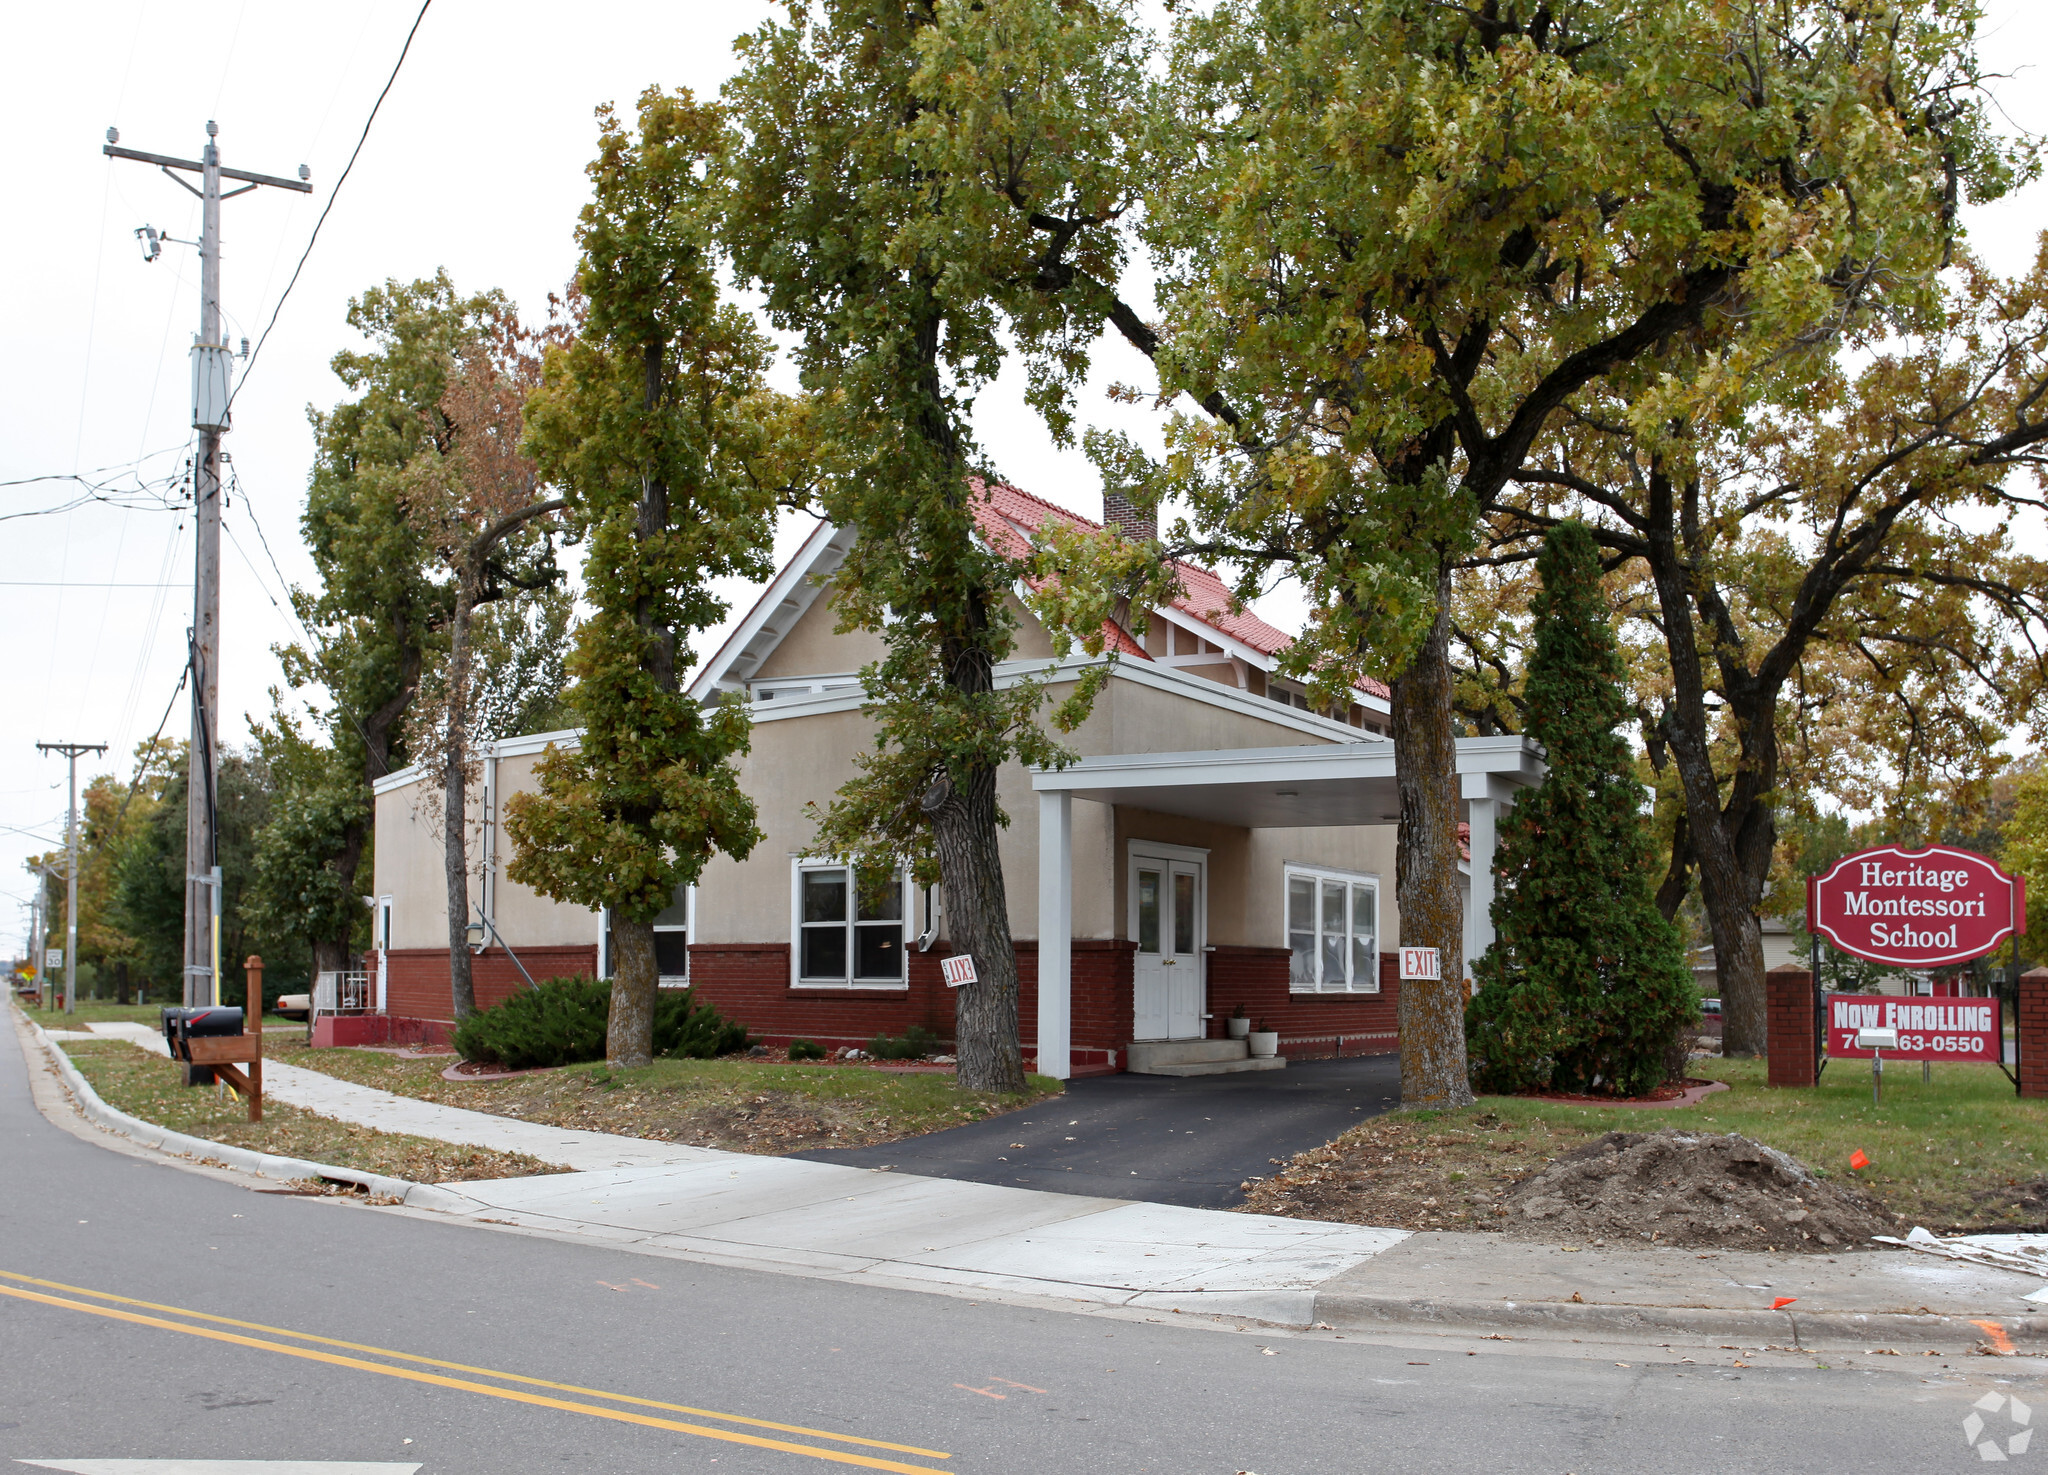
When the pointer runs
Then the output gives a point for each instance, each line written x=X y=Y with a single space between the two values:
x=849 y=928
x=672 y=941
x=1333 y=930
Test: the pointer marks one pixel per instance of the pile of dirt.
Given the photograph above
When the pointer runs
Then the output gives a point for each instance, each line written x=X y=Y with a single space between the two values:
x=1687 y=1189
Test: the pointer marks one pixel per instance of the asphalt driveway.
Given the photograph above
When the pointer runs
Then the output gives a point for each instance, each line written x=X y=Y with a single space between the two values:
x=1165 y=1139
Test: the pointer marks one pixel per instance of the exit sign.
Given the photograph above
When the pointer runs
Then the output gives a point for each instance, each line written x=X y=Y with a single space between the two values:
x=1421 y=962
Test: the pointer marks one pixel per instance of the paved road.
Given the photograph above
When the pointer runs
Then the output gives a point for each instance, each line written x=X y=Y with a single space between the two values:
x=1168 y=1139
x=979 y=1388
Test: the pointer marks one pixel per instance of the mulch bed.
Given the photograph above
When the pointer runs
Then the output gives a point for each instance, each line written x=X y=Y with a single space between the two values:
x=1671 y=1094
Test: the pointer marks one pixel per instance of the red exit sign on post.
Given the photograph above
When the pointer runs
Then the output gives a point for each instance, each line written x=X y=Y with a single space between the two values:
x=1916 y=908
x=1929 y=1029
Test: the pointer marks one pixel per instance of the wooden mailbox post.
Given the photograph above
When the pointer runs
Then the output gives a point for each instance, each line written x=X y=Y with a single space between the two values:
x=226 y=1053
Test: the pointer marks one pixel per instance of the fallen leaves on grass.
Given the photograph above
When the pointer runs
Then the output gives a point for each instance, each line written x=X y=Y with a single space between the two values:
x=763 y=1107
x=148 y=1086
x=1412 y=1173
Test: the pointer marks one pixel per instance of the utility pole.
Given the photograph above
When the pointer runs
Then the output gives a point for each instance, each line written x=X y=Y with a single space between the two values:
x=35 y=934
x=71 y=752
x=212 y=393
x=44 y=876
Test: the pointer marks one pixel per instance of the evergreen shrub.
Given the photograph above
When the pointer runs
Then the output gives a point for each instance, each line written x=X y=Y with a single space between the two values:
x=806 y=1050
x=562 y=1022
x=1586 y=984
x=913 y=1044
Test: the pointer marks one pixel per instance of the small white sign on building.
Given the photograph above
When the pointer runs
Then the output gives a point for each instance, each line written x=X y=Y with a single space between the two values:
x=957 y=970
x=1421 y=962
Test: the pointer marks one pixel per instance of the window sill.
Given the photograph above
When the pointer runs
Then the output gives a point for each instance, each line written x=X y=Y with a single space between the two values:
x=840 y=990
x=1316 y=993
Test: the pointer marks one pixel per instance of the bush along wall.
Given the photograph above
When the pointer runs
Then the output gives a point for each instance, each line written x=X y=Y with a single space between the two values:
x=1585 y=985
x=562 y=1022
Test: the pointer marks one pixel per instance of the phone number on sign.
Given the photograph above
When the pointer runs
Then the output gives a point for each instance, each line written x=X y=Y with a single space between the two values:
x=1935 y=1044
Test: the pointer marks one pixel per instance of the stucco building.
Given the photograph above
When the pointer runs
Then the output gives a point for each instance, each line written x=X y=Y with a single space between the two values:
x=1219 y=844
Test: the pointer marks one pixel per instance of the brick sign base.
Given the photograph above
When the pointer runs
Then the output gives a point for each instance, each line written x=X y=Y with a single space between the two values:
x=1788 y=1007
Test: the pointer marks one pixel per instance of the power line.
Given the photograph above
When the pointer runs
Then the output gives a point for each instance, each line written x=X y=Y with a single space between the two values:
x=333 y=195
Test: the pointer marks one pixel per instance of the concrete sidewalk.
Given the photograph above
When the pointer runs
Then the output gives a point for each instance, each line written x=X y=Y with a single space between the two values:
x=904 y=1230
x=824 y=1219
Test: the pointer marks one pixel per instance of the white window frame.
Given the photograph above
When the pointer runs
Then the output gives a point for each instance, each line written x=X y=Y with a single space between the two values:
x=1293 y=870
x=689 y=930
x=604 y=939
x=799 y=867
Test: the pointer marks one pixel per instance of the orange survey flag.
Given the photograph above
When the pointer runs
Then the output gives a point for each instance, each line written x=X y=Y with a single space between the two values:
x=1857 y=1161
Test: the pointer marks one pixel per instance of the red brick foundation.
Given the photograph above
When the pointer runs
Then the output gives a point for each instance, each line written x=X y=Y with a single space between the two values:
x=2033 y=1032
x=416 y=986
x=1788 y=1016
x=749 y=982
x=1310 y=1025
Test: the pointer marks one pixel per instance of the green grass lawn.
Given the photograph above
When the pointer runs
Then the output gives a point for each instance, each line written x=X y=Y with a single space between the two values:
x=148 y=1086
x=1961 y=1152
x=740 y=1105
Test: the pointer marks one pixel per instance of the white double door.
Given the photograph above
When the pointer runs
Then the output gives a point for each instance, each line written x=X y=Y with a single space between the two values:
x=1169 y=913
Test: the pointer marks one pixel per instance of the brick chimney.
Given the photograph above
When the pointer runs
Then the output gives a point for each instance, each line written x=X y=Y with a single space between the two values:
x=1119 y=512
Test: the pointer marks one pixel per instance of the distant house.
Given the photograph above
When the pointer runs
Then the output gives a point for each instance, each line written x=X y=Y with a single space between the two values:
x=1220 y=843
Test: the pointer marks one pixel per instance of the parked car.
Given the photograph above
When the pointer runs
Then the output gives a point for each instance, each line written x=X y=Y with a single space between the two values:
x=293 y=1006
x=1711 y=1007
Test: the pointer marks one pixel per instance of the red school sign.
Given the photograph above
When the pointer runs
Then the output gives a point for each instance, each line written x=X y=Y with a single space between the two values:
x=1915 y=908
x=1929 y=1029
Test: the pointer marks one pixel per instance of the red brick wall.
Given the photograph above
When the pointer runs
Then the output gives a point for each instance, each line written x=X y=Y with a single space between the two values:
x=2033 y=1032
x=750 y=982
x=1788 y=1025
x=1309 y=1024
x=417 y=987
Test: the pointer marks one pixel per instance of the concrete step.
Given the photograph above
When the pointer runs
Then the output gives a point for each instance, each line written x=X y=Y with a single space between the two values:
x=1217 y=1067
x=1194 y=1058
x=1144 y=1054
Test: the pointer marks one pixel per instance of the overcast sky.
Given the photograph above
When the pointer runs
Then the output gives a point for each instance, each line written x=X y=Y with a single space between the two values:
x=475 y=164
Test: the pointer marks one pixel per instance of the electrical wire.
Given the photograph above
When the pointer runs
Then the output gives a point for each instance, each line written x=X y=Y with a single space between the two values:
x=333 y=195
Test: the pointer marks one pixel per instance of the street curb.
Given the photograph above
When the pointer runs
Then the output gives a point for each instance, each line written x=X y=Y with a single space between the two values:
x=1349 y=1311
x=263 y=1164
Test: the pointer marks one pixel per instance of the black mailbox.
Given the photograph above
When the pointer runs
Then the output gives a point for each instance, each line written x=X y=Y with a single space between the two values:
x=181 y=1025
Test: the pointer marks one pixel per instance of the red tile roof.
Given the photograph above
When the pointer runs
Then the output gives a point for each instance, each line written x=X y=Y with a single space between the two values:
x=1008 y=516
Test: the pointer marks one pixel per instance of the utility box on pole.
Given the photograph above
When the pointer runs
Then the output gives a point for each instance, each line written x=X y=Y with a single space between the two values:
x=213 y=386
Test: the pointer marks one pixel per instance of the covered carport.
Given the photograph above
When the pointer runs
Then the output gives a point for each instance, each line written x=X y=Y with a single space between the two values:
x=1252 y=788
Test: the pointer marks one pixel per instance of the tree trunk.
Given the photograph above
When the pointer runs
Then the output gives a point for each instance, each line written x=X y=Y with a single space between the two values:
x=964 y=834
x=455 y=804
x=629 y=1030
x=1730 y=903
x=1431 y=1013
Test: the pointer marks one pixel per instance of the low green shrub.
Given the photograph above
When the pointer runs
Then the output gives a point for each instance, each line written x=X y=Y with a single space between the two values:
x=562 y=1022
x=687 y=1030
x=559 y=1023
x=913 y=1044
x=806 y=1050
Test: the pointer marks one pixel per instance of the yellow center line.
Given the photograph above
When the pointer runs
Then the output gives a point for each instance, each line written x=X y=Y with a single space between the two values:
x=463 y=1367
x=622 y=1416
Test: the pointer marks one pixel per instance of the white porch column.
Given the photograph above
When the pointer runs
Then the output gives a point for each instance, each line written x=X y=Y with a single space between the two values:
x=1483 y=804
x=1055 y=932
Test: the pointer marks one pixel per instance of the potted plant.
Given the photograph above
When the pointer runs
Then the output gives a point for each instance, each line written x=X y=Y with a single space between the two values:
x=1238 y=1025
x=1265 y=1043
